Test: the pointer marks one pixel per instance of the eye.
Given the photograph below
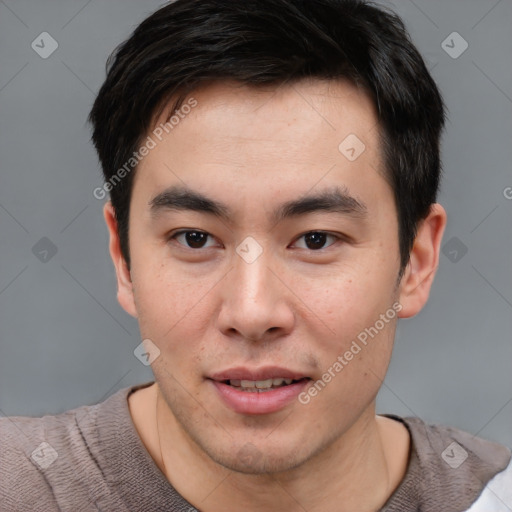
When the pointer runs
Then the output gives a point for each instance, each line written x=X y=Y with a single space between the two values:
x=315 y=240
x=193 y=239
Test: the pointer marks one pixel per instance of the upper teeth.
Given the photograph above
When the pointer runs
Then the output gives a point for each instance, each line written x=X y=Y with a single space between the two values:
x=260 y=384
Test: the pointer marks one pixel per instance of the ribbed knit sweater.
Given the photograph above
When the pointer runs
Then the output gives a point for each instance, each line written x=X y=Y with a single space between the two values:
x=94 y=460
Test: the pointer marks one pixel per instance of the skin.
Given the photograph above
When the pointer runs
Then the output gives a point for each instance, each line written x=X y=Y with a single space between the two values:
x=209 y=310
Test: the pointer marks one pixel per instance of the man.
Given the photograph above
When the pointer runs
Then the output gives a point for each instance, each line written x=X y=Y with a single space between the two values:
x=273 y=167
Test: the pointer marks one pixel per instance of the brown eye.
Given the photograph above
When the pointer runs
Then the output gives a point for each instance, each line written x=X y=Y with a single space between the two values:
x=196 y=239
x=192 y=239
x=316 y=240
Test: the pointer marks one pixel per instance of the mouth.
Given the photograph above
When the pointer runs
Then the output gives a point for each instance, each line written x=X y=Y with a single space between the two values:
x=258 y=391
x=261 y=386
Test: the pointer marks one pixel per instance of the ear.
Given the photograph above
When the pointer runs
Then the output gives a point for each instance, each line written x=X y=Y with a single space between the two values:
x=424 y=259
x=125 y=294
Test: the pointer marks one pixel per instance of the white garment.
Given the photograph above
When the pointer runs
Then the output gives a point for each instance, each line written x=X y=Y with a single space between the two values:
x=497 y=494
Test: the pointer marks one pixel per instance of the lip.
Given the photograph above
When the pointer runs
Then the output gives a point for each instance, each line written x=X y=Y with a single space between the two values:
x=263 y=373
x=264 y=402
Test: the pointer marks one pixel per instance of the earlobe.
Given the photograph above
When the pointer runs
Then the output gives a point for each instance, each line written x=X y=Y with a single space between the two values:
x=125 y=294
x=424 y=259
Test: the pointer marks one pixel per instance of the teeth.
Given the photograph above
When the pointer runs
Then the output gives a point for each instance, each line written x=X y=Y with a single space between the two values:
x=253 y=385
x=263 y=384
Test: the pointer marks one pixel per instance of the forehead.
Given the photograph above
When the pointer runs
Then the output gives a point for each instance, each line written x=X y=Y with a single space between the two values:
x=319 y=109
x=252 y=140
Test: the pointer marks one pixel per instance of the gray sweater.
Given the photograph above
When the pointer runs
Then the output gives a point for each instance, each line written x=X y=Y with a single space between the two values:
x=92 y=459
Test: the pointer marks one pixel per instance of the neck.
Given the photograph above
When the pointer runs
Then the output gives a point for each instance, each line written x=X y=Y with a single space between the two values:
x=358 y=471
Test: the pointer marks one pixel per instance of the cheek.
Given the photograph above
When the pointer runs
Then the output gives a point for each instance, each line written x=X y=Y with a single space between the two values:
x=353 y=373
x=348 y=324
x=347 y=302
x=172 y=309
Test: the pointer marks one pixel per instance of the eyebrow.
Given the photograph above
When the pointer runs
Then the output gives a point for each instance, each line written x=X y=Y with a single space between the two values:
x=333 y=199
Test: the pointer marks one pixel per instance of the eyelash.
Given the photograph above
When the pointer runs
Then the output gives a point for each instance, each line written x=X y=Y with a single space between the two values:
x=327 y=233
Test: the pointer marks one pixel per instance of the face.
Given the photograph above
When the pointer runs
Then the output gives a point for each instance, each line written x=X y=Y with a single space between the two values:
x=262 y=246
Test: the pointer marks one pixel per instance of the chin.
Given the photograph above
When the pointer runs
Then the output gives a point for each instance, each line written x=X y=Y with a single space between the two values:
x=259 y=458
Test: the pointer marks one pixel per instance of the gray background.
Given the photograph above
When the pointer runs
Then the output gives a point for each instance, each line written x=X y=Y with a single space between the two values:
x=65 y=341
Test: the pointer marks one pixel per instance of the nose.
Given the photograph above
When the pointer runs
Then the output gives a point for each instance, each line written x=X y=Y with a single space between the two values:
x=256 y=304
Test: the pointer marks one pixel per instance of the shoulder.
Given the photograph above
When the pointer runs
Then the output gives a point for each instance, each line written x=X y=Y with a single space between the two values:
x=454 y=448
x=46 y=460
x=457 y=468
x=29 y=448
